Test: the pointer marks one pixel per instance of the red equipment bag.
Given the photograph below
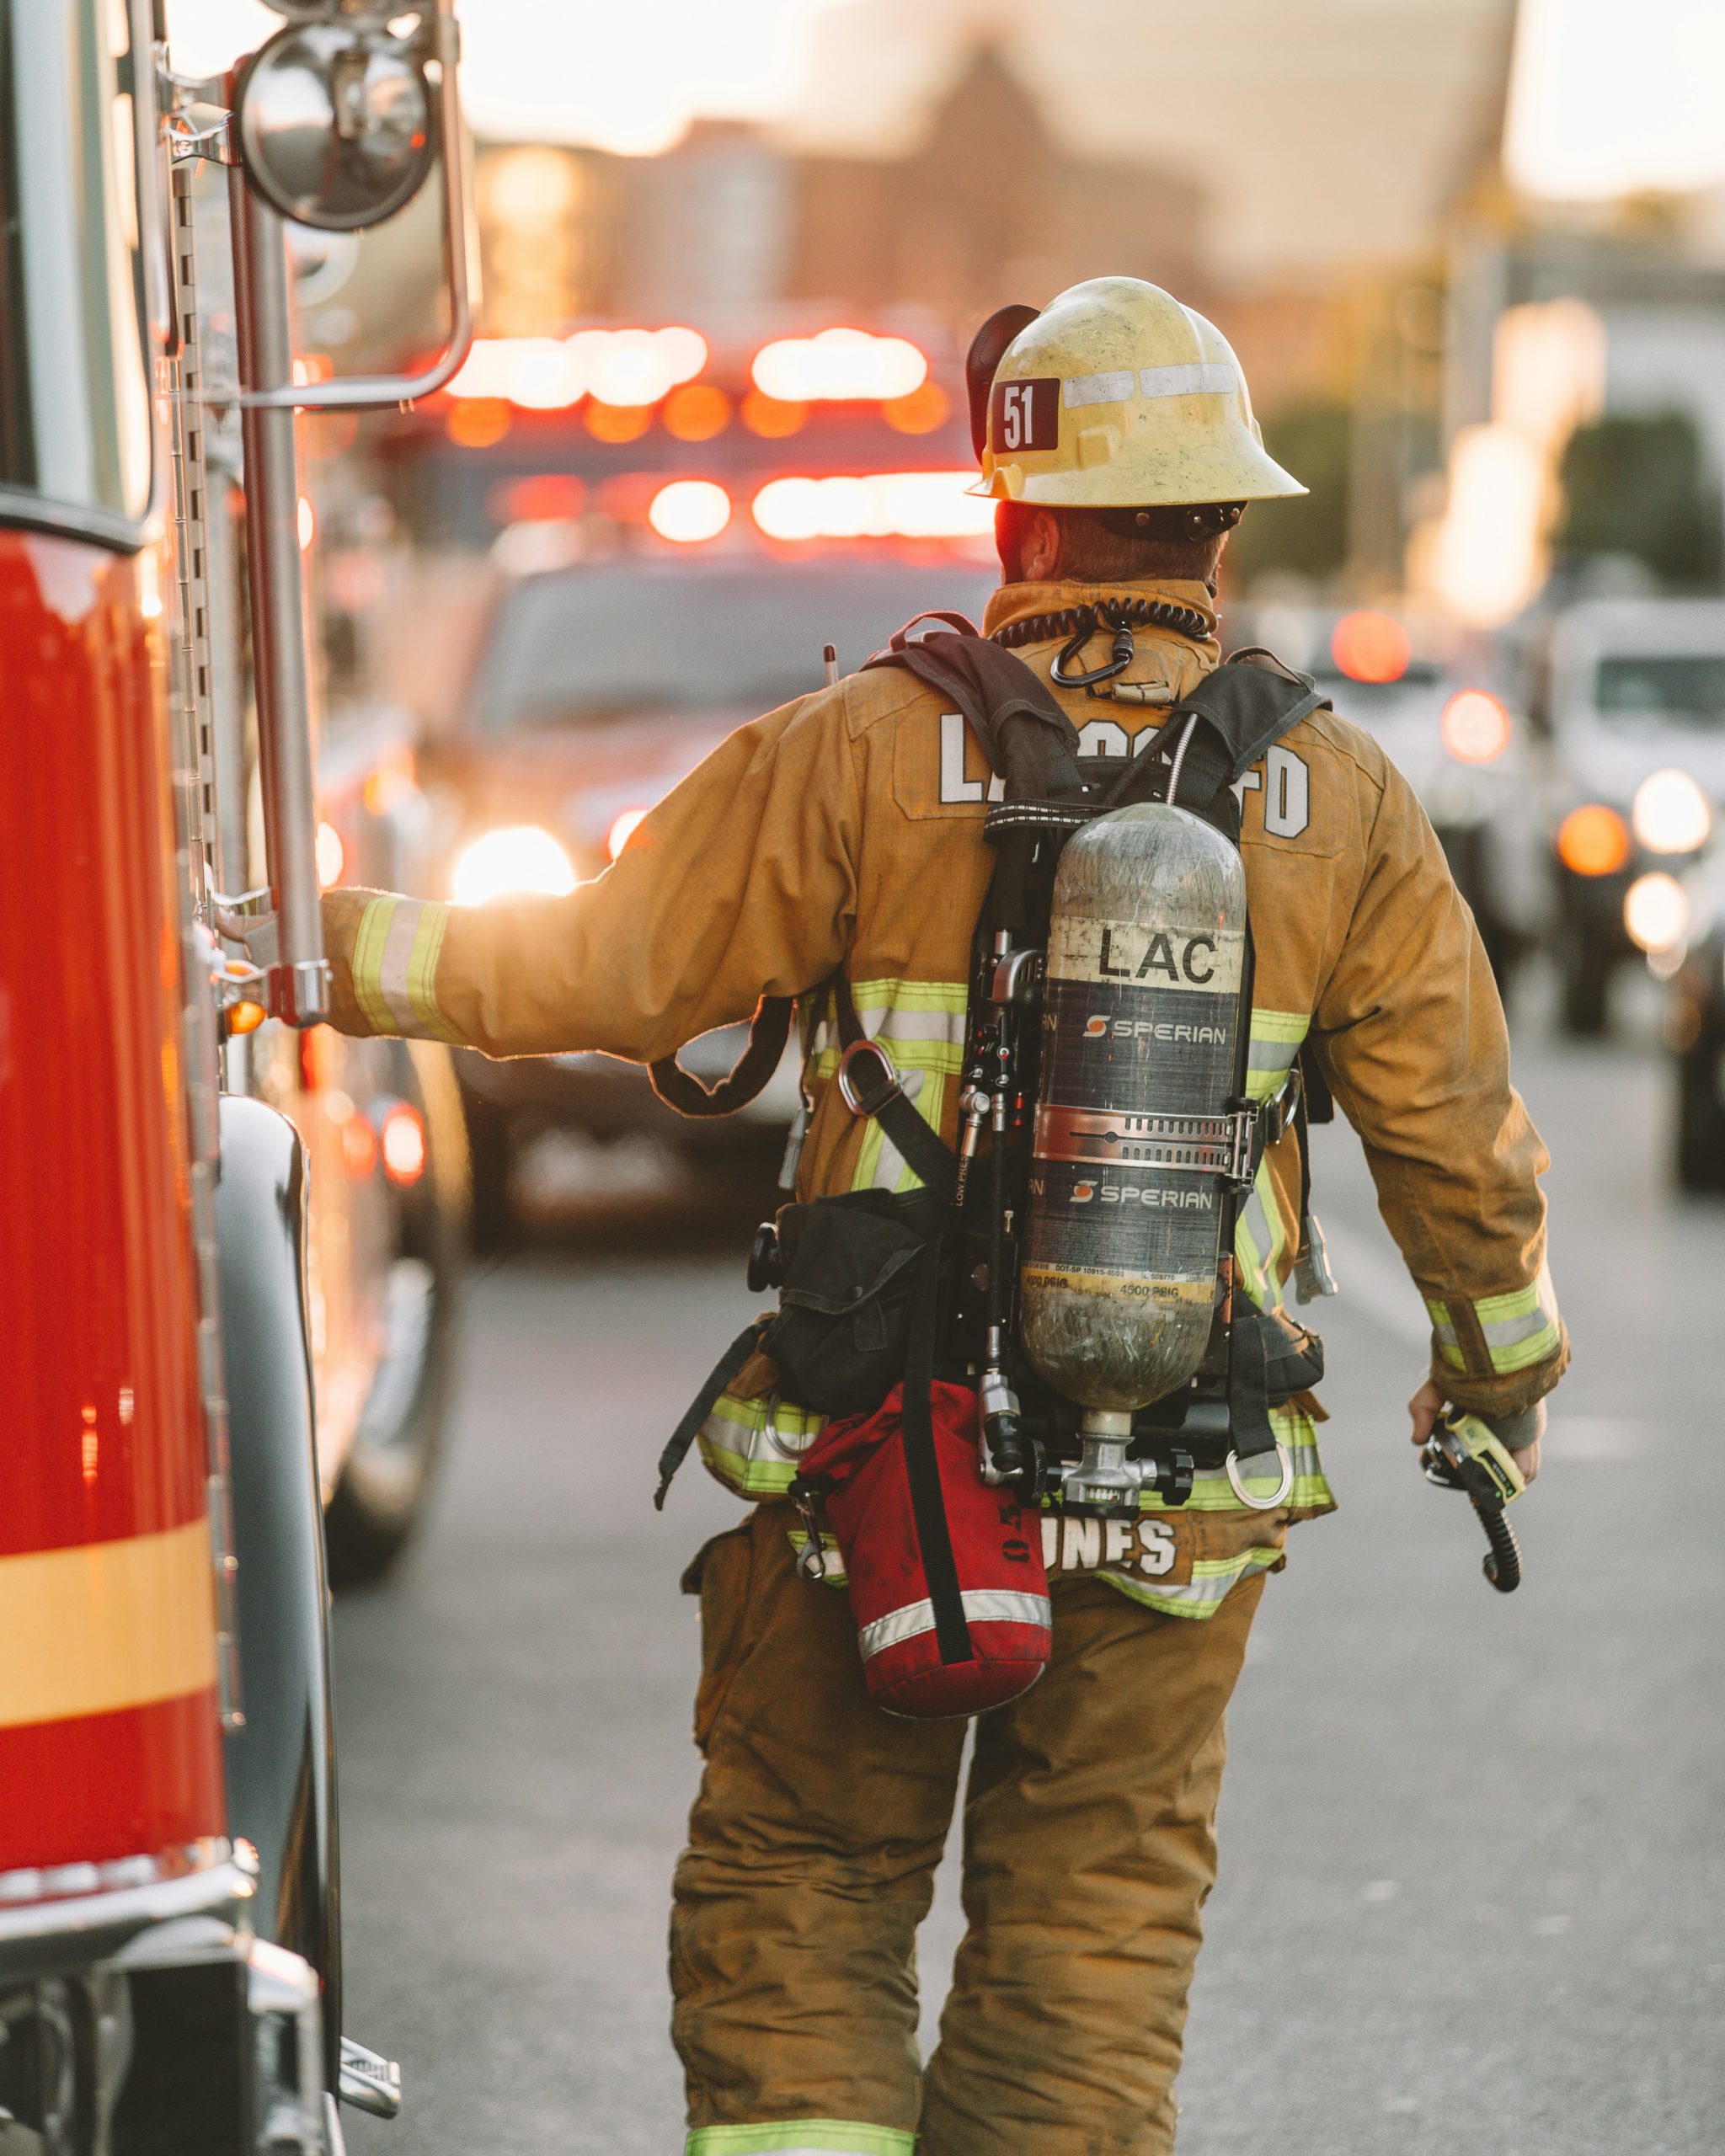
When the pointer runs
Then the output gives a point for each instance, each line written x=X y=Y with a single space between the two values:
x=946 y=1575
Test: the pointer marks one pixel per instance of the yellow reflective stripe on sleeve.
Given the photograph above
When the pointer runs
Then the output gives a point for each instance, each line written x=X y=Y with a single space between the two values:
x=395 y=967
x=367 y=964
x=754 y=1446
x=1275 y=1041
x=1520 y=1329
x=1444 y=1334
x=1213 y=1579
x=801 y=2138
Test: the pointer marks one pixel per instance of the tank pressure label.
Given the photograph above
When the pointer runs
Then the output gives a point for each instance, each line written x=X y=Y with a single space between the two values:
x=1138 y=954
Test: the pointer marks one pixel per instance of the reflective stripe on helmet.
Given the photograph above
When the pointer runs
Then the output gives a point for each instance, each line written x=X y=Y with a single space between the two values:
x=1209 y=378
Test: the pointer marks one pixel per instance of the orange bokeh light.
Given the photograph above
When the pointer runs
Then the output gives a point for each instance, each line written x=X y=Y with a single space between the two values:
x=1475 y=727
x=696 y=412
x=542 y=498
x=1593 y=840
x=770 y=417
x=1370 y=647
x=359 y=1147
x=920 y=413
x=617 y=422
x=475 y=423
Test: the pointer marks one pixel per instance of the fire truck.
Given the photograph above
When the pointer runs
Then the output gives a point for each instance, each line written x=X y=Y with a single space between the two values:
x=228 y=1253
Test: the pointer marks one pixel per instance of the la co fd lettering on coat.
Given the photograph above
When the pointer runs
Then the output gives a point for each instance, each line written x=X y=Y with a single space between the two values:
x=1286 y=781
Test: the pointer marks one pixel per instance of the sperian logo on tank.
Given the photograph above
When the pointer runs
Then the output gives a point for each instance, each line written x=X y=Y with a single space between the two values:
x=1132 y=1193
x=1141 y=954
x=1153 y=1029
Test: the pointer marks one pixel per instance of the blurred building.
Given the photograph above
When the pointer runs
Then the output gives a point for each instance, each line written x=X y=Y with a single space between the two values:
x=984 y=205
x=1585 y=407
x=1291 y=170
x=988 y=206
x=1326 y=136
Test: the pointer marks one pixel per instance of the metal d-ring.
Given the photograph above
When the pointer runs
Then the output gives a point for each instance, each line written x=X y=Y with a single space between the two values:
x=1284 y=1459
x=769 y=1430
x=855 y=1098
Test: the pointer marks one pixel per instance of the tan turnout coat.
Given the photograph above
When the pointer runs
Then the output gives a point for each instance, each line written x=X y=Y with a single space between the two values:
x=846 y=829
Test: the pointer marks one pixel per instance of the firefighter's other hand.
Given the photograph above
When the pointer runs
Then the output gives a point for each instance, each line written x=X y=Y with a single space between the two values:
x=1425 y=1408
x=1428 y=1403
x=256 y=933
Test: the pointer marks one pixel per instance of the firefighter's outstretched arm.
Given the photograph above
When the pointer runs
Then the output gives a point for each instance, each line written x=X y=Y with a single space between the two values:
x=1409 y=1031
x=742 y=882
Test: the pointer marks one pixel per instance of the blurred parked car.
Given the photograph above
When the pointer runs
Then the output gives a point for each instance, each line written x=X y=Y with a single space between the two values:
x=596 y=690
x=1452 y=737
x=1634 y=703
x=1694 y=1034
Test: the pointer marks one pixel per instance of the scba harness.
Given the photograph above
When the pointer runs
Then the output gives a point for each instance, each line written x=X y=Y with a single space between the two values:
x=915 y=1322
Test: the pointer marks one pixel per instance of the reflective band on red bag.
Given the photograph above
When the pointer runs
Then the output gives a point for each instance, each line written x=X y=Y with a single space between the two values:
x=996 y=1552
x=982 y=1606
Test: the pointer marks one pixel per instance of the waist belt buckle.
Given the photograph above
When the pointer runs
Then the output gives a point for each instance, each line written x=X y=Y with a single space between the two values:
x=856 y=1091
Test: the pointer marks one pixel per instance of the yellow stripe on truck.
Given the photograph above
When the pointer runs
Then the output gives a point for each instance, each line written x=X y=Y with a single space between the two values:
x=106 y=1625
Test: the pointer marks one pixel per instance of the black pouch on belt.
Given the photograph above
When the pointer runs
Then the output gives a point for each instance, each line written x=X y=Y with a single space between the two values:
x=848 y=1273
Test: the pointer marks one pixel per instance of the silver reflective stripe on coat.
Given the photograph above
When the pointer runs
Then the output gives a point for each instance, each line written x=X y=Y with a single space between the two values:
x=983 y=1605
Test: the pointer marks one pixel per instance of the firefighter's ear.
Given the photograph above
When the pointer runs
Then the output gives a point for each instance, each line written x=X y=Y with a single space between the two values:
x=987 y=349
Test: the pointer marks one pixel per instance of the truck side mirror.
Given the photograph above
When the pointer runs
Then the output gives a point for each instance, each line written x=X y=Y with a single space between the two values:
x=335 y=122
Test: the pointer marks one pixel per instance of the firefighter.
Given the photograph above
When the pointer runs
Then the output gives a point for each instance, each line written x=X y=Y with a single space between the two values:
x=845 y=830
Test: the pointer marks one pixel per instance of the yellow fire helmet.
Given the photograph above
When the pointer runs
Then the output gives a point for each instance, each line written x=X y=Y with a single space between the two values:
x=1116 y=397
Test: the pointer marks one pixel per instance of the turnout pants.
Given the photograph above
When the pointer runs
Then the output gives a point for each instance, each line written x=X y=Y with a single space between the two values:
x=1088 y=1851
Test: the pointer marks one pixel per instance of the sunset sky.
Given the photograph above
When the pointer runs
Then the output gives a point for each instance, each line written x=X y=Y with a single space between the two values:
x=1596 y=112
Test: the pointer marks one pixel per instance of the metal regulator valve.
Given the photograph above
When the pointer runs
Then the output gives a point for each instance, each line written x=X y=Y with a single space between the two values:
x=1462 y=1452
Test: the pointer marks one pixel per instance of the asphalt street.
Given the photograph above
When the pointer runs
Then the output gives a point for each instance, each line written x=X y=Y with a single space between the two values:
x=1473 y=1847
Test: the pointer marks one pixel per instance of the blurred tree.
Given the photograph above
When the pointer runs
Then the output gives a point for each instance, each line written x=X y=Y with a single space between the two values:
x=1307 y=537
x=1639 y=485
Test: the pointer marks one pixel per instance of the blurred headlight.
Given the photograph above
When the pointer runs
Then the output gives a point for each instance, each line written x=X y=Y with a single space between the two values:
x=1656 y=911
x=520 y=862
x=403 y=1144
x=1593 y=840
x=1671 y=815
x=332 y=856
x=1475 y=727
x=690 y=510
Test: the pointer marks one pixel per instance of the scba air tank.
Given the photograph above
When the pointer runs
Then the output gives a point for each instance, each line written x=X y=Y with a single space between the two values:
x=1141 y=1018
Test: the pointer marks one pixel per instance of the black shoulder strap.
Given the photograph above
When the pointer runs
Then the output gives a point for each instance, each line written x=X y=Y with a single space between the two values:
x=1230 y=718
x=1025 y=737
